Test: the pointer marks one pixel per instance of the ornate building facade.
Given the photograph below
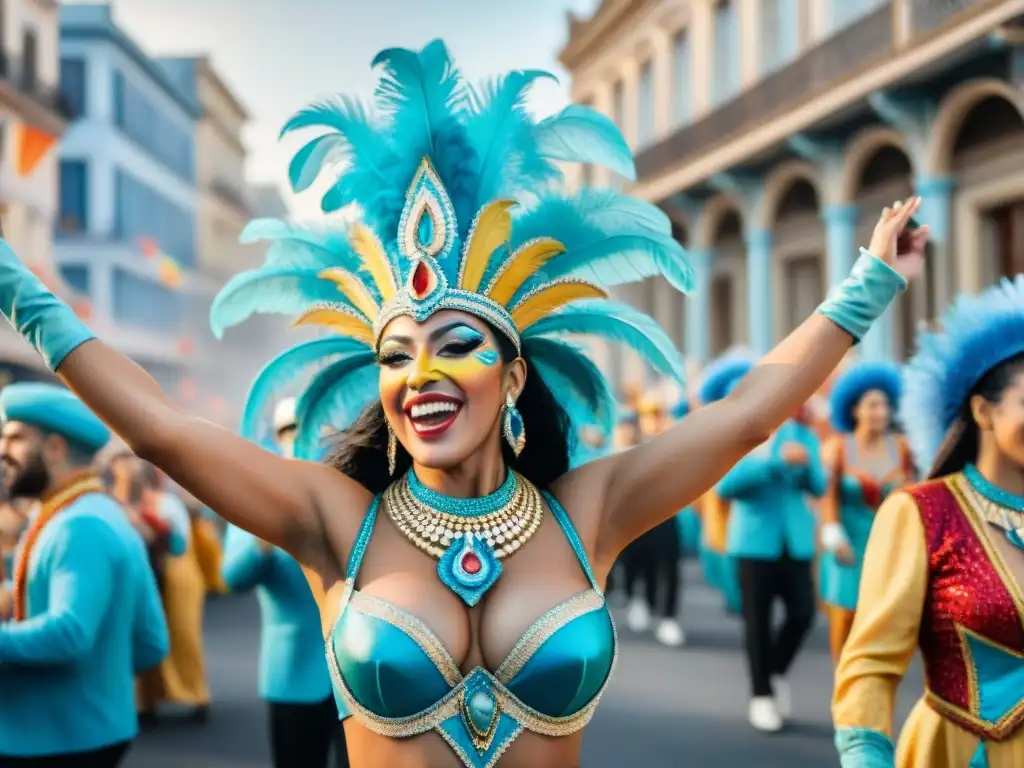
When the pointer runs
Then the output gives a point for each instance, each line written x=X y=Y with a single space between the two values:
x=774 y=131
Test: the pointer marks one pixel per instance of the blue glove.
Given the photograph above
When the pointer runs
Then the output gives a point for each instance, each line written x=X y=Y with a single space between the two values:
x=43 y=320
x=862 y=297
x=864 y=748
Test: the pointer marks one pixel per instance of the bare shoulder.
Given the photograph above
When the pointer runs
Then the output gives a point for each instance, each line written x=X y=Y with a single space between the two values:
x=582 y=492
x=341 y=505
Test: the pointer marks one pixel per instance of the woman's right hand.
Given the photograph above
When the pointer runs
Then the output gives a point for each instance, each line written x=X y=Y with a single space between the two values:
x=844 y=554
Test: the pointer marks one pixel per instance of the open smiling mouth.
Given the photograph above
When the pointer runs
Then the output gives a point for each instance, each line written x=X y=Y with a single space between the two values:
x=432 y=415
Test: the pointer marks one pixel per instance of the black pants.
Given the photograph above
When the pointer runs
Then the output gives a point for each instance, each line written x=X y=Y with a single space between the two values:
x=771 y=652
x=108 y=757
x=654 y=558
x=301 y=735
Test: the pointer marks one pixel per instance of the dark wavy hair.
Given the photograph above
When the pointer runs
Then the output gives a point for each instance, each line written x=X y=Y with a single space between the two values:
x=960 y=447
x=361 y=450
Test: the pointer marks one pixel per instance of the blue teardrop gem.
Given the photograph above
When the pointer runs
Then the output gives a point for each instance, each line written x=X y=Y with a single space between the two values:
x=515 y=423
x=1014 y=538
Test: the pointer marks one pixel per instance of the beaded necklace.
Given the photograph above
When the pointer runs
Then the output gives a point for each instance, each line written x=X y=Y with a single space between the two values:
x=468 y=537
x=1001 y=508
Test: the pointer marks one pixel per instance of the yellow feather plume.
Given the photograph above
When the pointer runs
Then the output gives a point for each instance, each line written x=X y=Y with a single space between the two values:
x=339 y=322
x=526 y=260
x=493 y=229
x=374 y=259
x=352 y=289
x=547 y=300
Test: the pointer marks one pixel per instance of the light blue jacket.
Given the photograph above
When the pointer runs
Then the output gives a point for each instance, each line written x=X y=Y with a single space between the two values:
x=94 y=620
x=293 y=665
x=770 y=514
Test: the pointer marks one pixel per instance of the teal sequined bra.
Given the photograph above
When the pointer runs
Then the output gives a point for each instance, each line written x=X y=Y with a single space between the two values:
x=394 y=675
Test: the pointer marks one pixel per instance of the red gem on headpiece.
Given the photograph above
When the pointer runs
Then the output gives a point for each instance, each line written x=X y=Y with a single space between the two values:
x=471 y=563
x=420 y=280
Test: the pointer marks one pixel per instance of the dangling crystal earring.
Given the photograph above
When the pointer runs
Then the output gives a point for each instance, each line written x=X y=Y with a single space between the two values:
x=513 y=427
x=392 y=450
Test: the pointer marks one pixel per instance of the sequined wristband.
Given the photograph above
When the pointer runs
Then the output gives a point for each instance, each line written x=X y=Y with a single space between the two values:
x=862 y=297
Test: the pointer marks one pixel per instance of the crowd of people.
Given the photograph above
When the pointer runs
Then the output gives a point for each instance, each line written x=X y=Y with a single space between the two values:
x=453 y=547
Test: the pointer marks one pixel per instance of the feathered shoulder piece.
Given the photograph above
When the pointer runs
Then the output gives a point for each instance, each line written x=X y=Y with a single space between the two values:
x=853 y=383
x=460 y=206
x=975 y=335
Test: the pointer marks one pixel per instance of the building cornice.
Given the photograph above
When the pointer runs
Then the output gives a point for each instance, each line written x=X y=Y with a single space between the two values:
x=588 y=36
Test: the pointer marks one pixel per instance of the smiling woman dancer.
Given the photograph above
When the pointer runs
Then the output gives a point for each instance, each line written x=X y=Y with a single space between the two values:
x=464 y=563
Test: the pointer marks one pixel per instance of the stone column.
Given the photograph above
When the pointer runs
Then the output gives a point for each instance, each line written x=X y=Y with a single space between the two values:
x=698 y=307
x=759 y=289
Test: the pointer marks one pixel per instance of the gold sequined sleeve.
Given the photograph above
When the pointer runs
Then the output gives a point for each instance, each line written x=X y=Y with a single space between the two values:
x=884 y=635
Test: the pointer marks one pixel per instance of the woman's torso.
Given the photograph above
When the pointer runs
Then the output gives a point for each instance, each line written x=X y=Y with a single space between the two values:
x=972 y=633
x=863 y=485
x=540 y=647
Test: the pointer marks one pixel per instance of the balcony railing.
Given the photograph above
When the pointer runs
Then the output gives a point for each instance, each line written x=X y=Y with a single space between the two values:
x=851 y=50
x=15 y=71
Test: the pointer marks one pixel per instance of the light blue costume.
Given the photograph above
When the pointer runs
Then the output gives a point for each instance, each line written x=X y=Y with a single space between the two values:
x=175 y=514
x=453 y=182
x=93 y=612
x=292 y=666
x=720 y=571
x=770 y=515
x=838 y=582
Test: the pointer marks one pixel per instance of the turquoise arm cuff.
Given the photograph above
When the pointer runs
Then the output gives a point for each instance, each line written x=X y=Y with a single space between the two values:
x=43 y=320
x=862 y=297
x=864 y=748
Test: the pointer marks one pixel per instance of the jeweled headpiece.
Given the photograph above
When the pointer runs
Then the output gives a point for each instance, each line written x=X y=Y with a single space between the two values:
x=976 y=334
x=461 y=207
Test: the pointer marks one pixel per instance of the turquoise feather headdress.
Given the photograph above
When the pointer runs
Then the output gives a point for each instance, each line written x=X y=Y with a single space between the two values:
x=853 y=383
x=461 y=207
x=977 y=333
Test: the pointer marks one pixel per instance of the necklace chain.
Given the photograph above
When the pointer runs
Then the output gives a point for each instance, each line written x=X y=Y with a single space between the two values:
x=505 y=529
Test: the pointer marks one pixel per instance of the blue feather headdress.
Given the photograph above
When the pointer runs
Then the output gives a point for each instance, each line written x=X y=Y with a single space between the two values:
x=851 y=386
x=460 y=207
x=977 y=333
x=722 y=376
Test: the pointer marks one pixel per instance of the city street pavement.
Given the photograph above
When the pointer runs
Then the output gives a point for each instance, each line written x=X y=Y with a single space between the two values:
x=674 y=708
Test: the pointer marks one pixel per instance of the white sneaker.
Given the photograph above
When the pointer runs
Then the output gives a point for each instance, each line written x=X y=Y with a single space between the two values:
x=668 y=632
x=783 y=696
x=638 y=615
x=764 y=715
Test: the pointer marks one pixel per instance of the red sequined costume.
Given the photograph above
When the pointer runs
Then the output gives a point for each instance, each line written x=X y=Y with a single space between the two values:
x=934 y=578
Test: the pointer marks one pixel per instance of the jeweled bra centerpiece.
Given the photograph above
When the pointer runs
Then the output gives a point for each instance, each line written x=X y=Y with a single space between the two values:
x=469 y=537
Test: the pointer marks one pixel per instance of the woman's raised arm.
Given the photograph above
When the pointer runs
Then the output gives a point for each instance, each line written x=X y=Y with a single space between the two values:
x=276 y=499
x=650 y=483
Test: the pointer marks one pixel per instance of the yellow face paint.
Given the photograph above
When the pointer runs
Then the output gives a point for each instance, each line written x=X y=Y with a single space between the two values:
x=463 y=351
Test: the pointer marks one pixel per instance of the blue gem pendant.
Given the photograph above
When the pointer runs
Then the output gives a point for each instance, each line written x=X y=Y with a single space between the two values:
x=469 y=537
x=469 y=567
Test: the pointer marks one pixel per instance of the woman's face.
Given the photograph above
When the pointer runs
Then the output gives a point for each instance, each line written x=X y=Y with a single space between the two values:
x=1006 y=419
x=873 y=412
x=442 y=385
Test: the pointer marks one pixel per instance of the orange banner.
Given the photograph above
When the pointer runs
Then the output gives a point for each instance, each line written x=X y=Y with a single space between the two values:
x=33 y=145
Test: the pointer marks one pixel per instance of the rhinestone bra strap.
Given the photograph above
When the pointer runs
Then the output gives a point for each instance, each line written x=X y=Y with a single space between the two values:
x=574 y=538
x=355 y=558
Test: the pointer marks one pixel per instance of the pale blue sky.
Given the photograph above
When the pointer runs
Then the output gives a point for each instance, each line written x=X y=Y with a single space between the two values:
x=278 y=55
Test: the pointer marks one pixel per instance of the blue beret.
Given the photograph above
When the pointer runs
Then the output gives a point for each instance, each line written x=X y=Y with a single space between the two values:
x=854 y=383
x=53 y=409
